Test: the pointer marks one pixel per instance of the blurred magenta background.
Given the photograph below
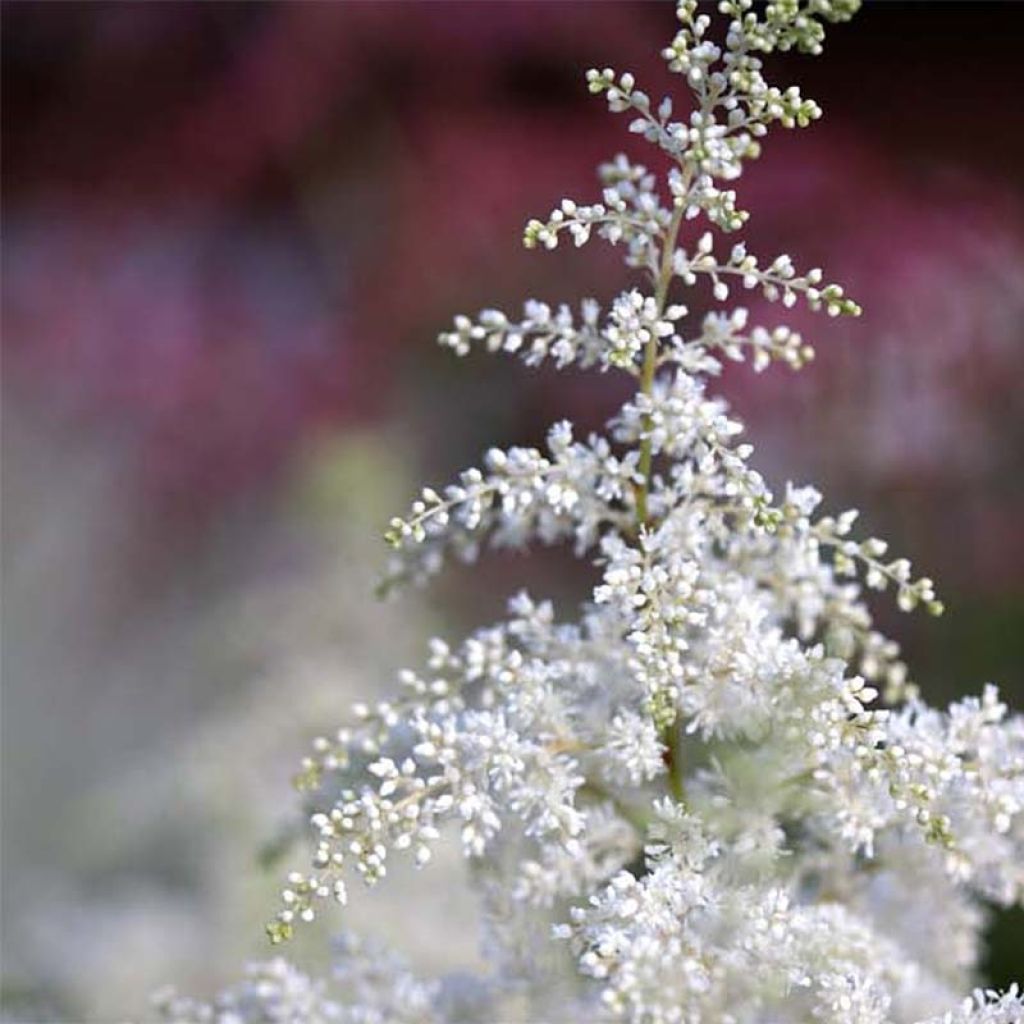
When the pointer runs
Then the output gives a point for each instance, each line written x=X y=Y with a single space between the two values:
x=231 y=232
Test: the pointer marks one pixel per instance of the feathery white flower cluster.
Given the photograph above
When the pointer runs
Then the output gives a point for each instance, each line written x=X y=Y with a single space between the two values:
x=368 y=985
x=692 y=790
x=272 y=991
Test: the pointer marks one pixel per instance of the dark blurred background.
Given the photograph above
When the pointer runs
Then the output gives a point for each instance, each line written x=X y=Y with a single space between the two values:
x=231 y=232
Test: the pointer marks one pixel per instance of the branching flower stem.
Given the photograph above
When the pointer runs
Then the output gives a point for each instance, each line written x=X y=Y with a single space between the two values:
x=651 y=358
x=807 y=854
x=670 y=735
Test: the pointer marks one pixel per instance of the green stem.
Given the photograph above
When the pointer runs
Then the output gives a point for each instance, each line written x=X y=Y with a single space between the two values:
x=651 y=361
x=670 y=736
x=675 y=775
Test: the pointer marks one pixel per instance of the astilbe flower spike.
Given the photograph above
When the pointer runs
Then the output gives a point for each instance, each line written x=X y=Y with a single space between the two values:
x=687 y=805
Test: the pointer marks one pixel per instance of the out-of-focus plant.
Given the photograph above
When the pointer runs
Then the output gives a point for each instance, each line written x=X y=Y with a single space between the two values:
x=159 y=836
x=686 y=805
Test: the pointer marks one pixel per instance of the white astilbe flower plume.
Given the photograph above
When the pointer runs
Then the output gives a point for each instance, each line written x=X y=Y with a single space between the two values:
x=686 y=805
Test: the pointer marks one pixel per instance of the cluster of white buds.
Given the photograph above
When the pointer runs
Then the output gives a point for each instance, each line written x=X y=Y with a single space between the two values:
x=778 y=281
x=618 y=219
x=541 y=334
x=724 y=335
x=690 y=791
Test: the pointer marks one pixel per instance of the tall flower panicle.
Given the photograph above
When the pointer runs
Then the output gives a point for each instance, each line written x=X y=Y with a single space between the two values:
x=693 y=791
